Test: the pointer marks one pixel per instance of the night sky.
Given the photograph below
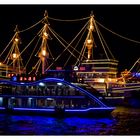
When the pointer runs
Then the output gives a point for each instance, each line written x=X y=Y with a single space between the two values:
x=122 y=19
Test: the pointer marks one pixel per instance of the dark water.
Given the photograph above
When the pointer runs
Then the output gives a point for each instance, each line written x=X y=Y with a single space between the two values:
x=124 y=121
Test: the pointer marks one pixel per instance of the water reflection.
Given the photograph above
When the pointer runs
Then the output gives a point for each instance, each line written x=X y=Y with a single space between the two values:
x=123 y=122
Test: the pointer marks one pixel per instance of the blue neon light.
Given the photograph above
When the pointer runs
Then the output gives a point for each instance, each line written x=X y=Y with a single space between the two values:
x=67 y=110
x=34 y=109
x=54 y=80
x=2 y=108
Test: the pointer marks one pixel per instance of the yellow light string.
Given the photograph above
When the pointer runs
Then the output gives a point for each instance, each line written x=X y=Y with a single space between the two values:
x=8 y=44
x=50 y=51
x=32 y=53
x=8 y=55
x=67 y=47
x=62 y=43
x=126 y=38
x=75 y=48
x=29 y=43
x=65 y=41
x=106 y=45
x=66 y=20
x=34 y=66
x=31 y=26
x=38 y=66
x=101 y=40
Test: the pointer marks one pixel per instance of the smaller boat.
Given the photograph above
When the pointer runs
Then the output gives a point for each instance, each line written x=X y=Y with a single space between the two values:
x=50 y=96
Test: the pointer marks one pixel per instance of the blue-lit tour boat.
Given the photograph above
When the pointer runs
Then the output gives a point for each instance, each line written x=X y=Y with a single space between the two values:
x=87 y=86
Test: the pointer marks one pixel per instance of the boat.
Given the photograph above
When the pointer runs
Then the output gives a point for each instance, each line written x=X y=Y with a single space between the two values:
x=82 y=88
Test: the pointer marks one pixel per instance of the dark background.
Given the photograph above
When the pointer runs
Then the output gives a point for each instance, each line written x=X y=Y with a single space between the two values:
x=122 y=19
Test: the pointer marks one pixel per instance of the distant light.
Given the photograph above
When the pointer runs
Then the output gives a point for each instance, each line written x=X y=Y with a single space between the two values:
x=75 y=68
x=0 y=63
x=41 y=84
x=59 y=84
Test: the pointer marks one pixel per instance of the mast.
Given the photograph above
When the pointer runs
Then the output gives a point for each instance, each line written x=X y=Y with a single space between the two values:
x=89 y=43
x=44 y=54
x=15 y=54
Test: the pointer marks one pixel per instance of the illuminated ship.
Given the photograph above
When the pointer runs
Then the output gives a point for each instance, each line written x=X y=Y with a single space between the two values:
x=50 y=88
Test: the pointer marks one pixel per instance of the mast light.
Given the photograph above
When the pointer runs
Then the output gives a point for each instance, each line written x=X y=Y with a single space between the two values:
x=91 y=27
x=89 y=41
x=15 y=55
x=43 y=52
x=45 y=34
x=16 y=39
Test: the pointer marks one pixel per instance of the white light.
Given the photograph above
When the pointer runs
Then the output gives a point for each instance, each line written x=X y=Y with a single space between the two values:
x=75 y=68
x=15 y=55
x=49 y=99
x=101 y=80
x=89 y=41
x=41 y=84
x=91 y=27
x=16 y=39
x=45 y=34
x=1 y=100
x=44 y=52
x=59 y=84
x=109 y=94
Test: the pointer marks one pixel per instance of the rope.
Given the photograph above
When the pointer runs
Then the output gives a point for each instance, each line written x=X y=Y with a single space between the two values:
x=29 y=43
x=101 y=40
x=34 y=66
x=105 y=42
x=38 y=66
x=66 y=47
x=106 y=45
x=8 y=44
x=31 y=26
x=126 y=38
x=65 y=41
x=32 y=53
x=62 y=44
x=75 y=48
x=66 y=20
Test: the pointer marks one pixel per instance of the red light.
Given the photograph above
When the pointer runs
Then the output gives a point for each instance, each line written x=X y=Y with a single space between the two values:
x=82 y=68
x=34 y=78
x=29 y=79
x=58 y=68
x=21 y=79
x=25 y=79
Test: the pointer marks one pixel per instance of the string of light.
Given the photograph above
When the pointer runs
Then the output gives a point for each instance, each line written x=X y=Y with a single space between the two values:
x=121 y=36
x=68 y=20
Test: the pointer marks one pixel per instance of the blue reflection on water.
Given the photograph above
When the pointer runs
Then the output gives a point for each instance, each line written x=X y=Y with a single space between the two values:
x=42 y=125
